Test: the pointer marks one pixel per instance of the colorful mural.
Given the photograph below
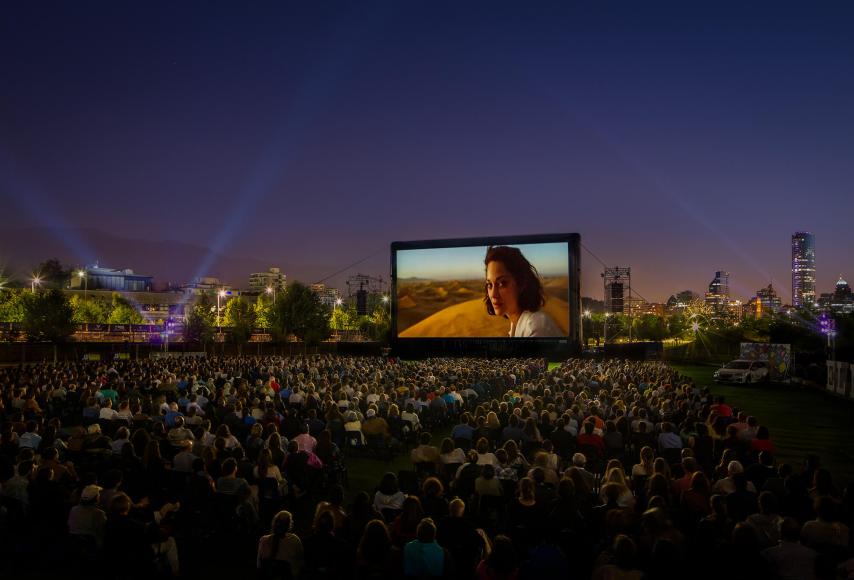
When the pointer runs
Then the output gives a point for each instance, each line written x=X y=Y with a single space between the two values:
x=779 y=356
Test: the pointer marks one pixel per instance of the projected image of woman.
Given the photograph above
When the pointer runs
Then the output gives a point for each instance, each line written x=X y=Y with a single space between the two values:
x=514 y=290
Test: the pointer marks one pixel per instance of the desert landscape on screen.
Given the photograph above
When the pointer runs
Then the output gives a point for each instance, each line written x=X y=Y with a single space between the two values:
x=455 y=308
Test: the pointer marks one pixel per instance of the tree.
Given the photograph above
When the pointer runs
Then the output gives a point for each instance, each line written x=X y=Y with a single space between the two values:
x=344 y=318
x=48 y=316
x=95 y=310
x=380 y=324
x=263 y=307
x=53 y=275
x=123 y=312
x=300 y=312
x=199 y=325
x=12 y=305
x=650 y=327
x=240 y=317
x=677 y=325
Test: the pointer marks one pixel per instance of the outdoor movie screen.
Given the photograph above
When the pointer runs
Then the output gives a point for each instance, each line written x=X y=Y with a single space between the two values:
x=483 y=291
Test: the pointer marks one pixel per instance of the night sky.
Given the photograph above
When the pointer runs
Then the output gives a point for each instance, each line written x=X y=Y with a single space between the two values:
x=678 y=138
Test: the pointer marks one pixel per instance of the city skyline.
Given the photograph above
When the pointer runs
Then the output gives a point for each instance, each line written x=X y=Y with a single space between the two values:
x=242 y=278
x=676 y=139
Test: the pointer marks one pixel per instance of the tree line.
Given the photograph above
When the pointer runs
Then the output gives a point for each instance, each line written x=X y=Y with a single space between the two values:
x=49 y=315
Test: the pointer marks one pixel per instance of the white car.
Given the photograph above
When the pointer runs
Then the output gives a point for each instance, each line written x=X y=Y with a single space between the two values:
x=743 y=371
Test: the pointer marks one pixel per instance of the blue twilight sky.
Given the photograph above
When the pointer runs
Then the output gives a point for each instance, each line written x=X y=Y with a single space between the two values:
x=467 y=263
x=678 y=138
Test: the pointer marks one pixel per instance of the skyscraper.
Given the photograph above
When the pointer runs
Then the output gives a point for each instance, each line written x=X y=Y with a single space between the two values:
x=803 y=269
x=717 y=298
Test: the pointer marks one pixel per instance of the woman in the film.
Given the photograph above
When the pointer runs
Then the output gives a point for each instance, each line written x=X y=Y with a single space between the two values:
x=514 y=290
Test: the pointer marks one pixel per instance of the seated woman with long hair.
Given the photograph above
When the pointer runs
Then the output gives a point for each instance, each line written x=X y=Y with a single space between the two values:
x=280 y=546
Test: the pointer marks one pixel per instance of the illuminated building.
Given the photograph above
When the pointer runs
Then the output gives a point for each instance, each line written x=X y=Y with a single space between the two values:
x=766 y=302
x=98 y=278
x=717 y=298
x=840 y=301
x=207 y=285
x=328 y=295
x=803 y=270
x=260 y=281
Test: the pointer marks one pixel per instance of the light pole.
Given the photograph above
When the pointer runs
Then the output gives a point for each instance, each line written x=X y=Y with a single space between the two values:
x=82 y=274
x=271 y=291
x=605 y=334
x=338 y=302
x=219 y=295
x=36 y=281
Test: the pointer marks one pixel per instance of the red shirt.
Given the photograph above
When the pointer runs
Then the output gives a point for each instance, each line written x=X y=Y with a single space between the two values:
x=594 y=440
x=762 y=445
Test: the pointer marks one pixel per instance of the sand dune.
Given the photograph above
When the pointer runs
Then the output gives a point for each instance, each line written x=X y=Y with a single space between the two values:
x=470 y=319
x=419 y=300
x=406 y=302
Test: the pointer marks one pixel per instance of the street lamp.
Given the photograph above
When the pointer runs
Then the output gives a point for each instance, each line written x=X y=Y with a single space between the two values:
x=82 y=274
x=36 y=281
x=271 y=291
x=605 y=333
x=219 y=295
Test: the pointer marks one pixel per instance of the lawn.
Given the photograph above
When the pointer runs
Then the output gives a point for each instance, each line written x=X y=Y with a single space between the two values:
x=802 y=420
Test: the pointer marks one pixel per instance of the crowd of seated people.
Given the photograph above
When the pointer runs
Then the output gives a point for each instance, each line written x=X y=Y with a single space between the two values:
x=603 y=469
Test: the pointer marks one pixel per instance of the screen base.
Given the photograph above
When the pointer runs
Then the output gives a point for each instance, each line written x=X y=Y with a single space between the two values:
x=551 y=349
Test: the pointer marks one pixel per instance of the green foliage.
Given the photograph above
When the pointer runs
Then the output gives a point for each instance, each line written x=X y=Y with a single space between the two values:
x=677 y=326
x=263 y=307
x=239 y=316
x=12 y=305
x=650 y=327
x=299 y=312
x=95 y=310
x=344 y=318
x=200 y=321
x=380 y=324
x=123 y=312
x=48 y=316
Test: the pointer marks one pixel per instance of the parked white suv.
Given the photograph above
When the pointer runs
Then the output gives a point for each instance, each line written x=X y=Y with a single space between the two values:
x=743 y=371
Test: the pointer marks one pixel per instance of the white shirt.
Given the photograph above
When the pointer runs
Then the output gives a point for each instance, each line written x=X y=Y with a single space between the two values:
x=535 y=324
x=108 y=413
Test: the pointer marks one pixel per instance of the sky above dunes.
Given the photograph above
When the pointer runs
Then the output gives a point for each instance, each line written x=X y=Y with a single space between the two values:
x=678 y=138
x=466 y=263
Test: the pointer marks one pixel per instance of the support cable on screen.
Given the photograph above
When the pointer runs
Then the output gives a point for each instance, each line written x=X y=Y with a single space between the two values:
x=356 y=263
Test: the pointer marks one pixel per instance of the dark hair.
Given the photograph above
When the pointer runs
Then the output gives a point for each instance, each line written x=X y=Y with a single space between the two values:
x=502 y=559
x=388 y=484
x=432 y=487
x=531 y=294
x=624 y=551
x=375 y=543
x=426 y=531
